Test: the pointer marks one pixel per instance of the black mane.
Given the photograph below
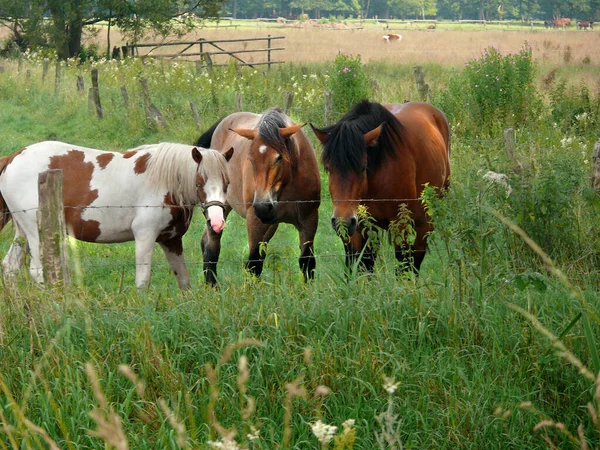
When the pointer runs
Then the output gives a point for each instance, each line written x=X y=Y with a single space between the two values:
x=345 y=145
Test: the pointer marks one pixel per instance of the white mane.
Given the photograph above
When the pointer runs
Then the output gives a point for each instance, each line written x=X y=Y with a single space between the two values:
x=171 y=168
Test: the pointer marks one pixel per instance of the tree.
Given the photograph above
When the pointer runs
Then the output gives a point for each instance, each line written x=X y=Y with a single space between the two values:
x=60 y=23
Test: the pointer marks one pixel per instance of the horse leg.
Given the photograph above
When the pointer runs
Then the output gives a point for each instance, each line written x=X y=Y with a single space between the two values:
x=211 y=249
x=259 y=234
x=144 y=247
x=173 y=249
x=14 y=259
x=307 y=253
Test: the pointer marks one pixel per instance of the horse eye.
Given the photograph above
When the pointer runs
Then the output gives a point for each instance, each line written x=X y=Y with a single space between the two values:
x=279 y=158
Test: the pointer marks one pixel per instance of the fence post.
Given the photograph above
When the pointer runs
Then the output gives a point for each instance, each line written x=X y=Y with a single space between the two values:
x=95 y=93
x=51 y=225
x=268 y=52
x=195 y=114
x=80 y=85
x=125 y=96
x=153 y=114
x=289 y=99
x=45 y=69
x=422 y=87
x=509 y=143
x=328 y=109
x=57 y=79
x=596 y=167
x=238 y=101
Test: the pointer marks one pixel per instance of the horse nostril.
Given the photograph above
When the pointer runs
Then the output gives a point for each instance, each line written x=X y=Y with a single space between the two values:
x=352 y=223
x=333 y=222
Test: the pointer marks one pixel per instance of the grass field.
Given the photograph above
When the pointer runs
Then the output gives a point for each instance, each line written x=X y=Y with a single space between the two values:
x=467 y=363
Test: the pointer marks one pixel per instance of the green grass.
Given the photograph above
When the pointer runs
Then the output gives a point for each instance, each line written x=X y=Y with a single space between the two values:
x=449 y=337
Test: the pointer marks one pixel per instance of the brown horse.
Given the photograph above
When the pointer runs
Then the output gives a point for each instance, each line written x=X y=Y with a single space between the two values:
x=382 y=157
x=274 y=178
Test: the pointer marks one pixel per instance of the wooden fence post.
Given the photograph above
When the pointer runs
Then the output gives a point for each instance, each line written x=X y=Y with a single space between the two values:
x=422 y=87
x=80 y=85
x=57 y=78
x=269 y=52
x=153 y=114
x=195 y=114
x=95 y=93
x=328 y=109
x=509 y=143
x=238 y=101
x=125 y=96
x=46 y=66
x=51 y=225
x=596 y=167
x=289 y=100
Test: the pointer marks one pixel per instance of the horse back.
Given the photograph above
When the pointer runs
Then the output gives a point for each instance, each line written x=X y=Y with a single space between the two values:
x=426 y=141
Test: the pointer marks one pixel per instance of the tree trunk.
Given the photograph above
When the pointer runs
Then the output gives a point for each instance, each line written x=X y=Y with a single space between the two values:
x=74 y=32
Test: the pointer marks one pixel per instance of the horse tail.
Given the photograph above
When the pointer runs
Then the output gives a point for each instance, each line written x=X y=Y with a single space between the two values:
x=4 y=211
x=204 y=140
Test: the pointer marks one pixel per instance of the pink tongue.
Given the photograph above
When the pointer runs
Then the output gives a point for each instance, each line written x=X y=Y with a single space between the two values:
x=215 y=215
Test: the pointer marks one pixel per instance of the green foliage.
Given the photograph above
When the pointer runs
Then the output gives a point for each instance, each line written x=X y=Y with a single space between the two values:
x=89 y=53
x=493 y=91
x=347 y=82
x=574 y=110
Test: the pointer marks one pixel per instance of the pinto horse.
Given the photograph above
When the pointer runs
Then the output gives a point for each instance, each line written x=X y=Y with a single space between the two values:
x=382 y=156
x=274 y=178
x=146 y=194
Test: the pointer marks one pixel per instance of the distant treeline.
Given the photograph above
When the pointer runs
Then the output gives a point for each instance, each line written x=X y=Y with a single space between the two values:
x=415 y=9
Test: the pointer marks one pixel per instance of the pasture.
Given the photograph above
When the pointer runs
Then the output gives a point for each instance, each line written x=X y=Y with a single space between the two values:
x=463 y=356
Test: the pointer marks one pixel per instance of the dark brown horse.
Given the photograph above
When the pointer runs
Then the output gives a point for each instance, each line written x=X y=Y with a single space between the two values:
x=382 y=156
x=274 y=178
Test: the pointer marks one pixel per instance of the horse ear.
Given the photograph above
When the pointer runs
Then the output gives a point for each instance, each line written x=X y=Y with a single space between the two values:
x=321 y=135
x=289 y=131
x=228 y=154
x=196 y=155
x=245 y=132
x=372 y=136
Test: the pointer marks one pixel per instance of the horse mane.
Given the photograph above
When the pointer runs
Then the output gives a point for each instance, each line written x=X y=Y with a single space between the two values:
x=345 y=145
x=268 y=130
x=172 y=168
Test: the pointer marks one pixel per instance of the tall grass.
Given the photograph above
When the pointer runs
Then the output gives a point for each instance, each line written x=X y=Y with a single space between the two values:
x=158 y=370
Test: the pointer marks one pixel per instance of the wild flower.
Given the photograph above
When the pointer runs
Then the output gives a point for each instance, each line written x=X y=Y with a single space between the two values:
x=323 y=432
x=225 y=444
x=390 y=385
x=500 y=179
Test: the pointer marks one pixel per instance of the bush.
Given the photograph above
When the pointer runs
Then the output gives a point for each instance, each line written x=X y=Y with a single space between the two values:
x=493 y=91
x=347 y=82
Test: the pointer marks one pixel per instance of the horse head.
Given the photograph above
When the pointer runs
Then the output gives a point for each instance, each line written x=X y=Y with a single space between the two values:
x=272 y=163
x=345 y=158
x=212 y=180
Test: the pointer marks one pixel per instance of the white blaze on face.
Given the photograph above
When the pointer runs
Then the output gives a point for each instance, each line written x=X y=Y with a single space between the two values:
x=215 y=193
x=262 y=149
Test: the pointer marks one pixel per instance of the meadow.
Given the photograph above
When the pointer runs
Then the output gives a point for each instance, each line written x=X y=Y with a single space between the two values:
x=494 y=345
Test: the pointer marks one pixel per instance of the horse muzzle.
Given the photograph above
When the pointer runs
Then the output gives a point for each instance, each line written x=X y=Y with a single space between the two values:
x=214 y=212
x=266 y=211
x=344 y=226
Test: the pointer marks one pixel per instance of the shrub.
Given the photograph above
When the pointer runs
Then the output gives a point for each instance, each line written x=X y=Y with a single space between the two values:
x=347 y=82
x=493 y=91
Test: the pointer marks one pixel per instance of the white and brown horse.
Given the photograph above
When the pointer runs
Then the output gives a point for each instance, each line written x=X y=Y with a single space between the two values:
x=274 y=178
x=145 y=195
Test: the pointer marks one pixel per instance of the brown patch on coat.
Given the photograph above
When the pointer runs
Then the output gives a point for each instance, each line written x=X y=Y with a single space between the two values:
x=104 y=159
x=4 y=211
x=129 y=154
x=141 y=164
x=181 y=216
x=77 y=193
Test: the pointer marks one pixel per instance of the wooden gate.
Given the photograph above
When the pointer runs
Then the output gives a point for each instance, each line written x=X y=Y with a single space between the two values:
x=210 y=51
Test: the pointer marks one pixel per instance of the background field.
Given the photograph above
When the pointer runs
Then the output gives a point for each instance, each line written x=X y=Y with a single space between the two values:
x=452 y=338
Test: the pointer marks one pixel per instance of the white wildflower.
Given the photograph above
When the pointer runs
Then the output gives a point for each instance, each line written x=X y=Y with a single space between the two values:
x=323 y=432
x=253 y=435
x=500 y=179
x=564 y=142
x=226 y=444
x=582 y=117
x=348 y=424
x=390 y=385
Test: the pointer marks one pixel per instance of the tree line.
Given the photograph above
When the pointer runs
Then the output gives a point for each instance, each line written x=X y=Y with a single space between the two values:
x=525 y=10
